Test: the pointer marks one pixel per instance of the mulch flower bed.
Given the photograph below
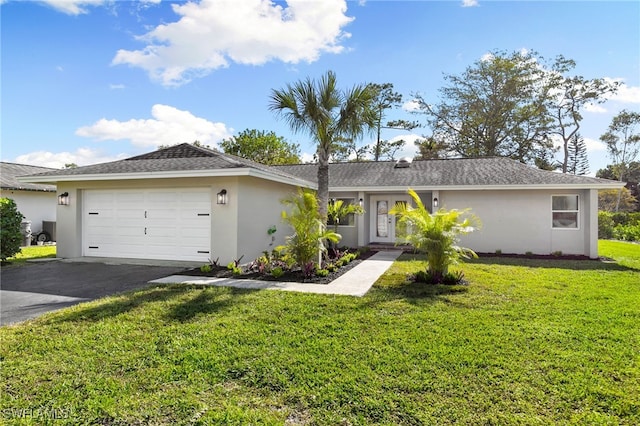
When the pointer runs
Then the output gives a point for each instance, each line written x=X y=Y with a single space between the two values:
x=537 y=256
x=288 y=276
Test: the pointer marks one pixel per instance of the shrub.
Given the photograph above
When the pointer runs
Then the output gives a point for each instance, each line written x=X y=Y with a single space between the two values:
x=619 y=225
x=627 y=232
x=331 y=267
x=10 y=236
x=605 y=225
x=206 y=268
x=436 y=234
x=309 y=231
x=277 y=272
x=322 y=272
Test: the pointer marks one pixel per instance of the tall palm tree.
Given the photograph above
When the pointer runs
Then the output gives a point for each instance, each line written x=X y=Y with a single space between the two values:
x=326 y=113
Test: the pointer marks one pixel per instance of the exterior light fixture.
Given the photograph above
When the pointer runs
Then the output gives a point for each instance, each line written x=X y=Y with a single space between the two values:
x=222 y=197
x=360 y=202
x=63 y=199
x=435 y=202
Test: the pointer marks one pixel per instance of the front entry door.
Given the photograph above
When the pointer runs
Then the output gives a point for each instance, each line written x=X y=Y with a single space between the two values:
x=383 y=224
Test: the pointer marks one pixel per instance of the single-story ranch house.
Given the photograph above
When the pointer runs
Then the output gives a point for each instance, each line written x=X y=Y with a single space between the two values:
x=190 y=203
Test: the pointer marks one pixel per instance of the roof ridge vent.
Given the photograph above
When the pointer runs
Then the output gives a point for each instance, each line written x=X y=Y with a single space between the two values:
x=403 y=163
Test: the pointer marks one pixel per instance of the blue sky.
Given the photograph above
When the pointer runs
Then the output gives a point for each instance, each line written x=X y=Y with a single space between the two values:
x=87 y=81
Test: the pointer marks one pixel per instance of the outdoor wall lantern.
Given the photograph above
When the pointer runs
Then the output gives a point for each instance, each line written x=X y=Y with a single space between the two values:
x=435 y=202
x=222 y=197
x=63 y=199
x=360 y=202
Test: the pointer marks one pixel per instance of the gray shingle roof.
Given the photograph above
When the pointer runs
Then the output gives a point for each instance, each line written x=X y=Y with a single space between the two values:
x=466 y=172
x=184 y=157
x=494 y=171
x=10 y=171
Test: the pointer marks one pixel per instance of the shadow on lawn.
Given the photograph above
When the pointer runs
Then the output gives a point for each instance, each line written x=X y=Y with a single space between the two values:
x=196 y=300
x=577 y=265
x=414 y=293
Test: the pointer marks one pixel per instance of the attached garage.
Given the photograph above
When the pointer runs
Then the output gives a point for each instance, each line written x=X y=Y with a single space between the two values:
x=164 y=224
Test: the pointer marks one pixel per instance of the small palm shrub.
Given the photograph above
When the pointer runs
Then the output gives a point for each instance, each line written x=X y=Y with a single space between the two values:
x=310 y=234
x=337 y=210
x=435 y=234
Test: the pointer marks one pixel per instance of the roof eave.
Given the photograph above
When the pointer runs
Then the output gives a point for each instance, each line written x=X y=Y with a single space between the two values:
x=599 y=186
x=168 y=175
x=16 y=188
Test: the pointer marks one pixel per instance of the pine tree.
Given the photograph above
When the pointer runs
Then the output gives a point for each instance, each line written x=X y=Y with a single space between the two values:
x=578 y=162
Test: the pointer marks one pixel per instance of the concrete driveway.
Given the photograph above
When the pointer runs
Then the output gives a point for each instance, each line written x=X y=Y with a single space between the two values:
x=28 y=291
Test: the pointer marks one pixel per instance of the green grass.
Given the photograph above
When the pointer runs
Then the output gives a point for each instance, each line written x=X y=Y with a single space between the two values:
x=32 y=252
x=624 y=253
x=527 y=342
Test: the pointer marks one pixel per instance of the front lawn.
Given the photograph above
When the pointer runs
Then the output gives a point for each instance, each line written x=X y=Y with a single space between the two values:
x=527 y=342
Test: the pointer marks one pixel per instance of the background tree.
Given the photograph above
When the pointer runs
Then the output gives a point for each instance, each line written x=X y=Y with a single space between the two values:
x=326 y=113
x=577 y=162
x=194 y=143
x=613 y=200
x=568 y=97
x=623 y=142
x=632 y=177
x=263 y=147
x=346 y=149
x=385 y=98
x=429 y=149
x=496 y=107
x=70 y=166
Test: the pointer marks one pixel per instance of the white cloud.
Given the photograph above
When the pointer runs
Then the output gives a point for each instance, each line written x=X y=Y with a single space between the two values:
x=625 y=93
x=469 y=3
x=487 y=57
x=410 y=150
x=595 y=108
x=594 y=145
x=73 y=7
x=168 y=126
x=307 y=157
x=81 y=157
x=211 y=33
x=117 y=86
x=411 y=106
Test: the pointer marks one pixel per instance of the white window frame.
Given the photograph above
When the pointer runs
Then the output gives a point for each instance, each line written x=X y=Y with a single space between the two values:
x=346 y=200
x=576 y=211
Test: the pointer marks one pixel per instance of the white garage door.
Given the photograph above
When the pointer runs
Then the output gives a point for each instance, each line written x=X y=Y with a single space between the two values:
x=167 y=224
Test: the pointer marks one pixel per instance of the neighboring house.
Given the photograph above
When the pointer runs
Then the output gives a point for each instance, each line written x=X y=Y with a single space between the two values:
x=191 y=203
x=37 y=202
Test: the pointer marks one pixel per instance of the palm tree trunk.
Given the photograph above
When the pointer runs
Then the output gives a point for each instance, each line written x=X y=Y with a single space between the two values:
x=323 y=185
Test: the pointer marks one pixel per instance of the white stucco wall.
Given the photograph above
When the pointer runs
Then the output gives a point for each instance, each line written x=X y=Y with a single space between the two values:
x=520 y=221
x=36 y=206
x=259 y=208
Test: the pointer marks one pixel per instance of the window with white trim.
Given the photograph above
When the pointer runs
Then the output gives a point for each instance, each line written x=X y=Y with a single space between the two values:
x=564 y=211
x=348 y=220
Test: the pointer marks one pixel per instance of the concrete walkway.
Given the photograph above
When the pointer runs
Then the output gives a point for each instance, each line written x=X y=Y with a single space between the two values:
x=355 y=282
